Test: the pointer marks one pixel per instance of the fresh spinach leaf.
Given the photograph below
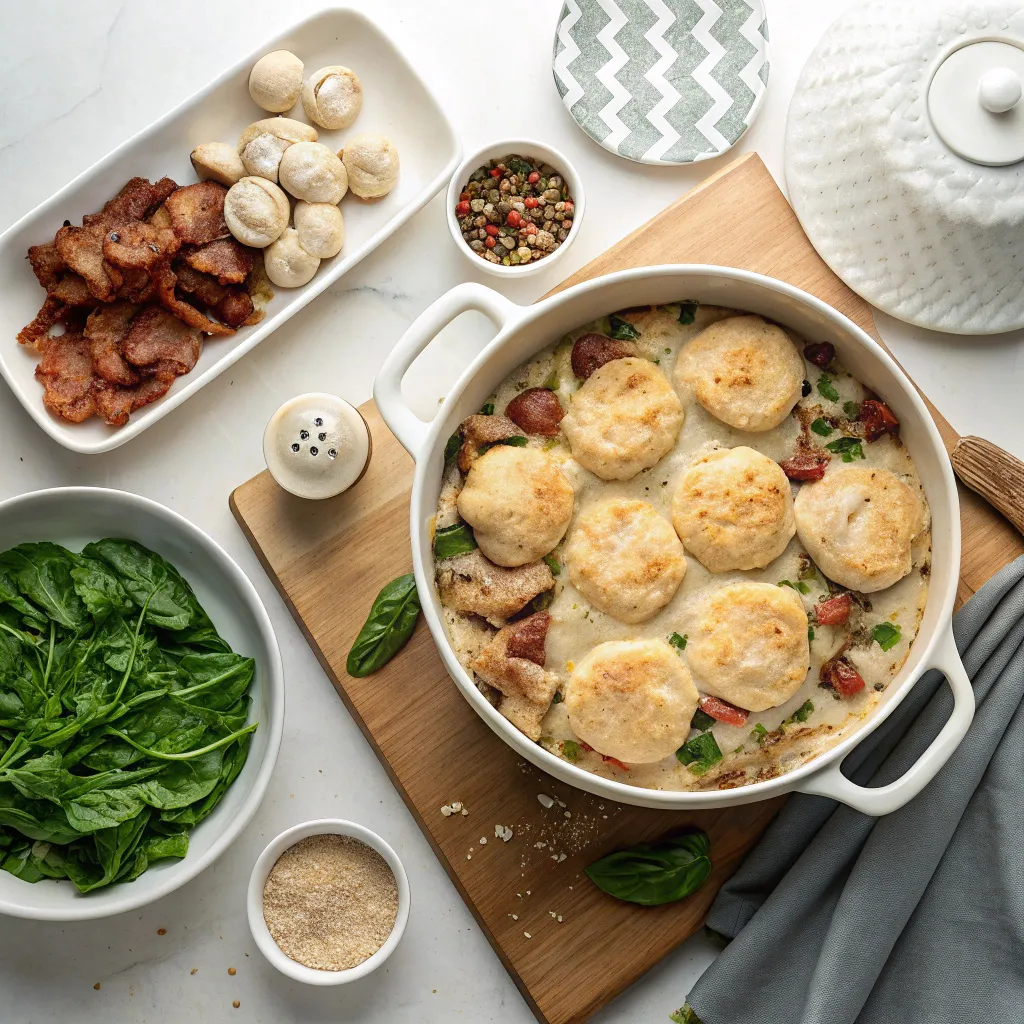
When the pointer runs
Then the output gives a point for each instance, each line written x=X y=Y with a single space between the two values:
x=701 y=720
x=652 y=874
x=822 y=427
x=827 y=389
x=42 y=572
x=849 y=448
x=688 y=311
x=453 y=540
x=516 y=441
x=886 y=635
x=388 y=627
x=553 y=564
x=621 y=330
x=700 y=754
x=799 y=586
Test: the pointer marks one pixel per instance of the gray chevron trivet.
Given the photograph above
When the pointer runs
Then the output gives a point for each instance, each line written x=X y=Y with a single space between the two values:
x=662 y=81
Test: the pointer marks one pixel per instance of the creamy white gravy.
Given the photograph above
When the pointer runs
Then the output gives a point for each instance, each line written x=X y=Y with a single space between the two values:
x=577 y=627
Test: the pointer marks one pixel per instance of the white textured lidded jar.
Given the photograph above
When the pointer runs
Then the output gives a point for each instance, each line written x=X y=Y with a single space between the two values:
x=316 y=445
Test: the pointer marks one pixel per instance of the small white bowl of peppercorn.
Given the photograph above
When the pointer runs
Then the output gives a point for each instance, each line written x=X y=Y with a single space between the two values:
x=515 y=206
x=328 y=901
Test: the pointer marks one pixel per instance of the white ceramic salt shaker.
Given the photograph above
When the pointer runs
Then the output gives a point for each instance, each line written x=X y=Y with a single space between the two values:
x=316 y=445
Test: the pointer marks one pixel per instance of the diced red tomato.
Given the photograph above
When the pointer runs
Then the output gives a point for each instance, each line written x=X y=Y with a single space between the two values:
x=492 y=229
x=723 y=711
x=495 y=172
x=838 y=674
x=878 y=419
x=833 y=611
x=805 y=467
x=821 y=353
x=462 y=209
x=615 y=761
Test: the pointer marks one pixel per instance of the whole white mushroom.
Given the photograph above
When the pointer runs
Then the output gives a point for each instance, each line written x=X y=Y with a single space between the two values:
x=256 y=211
x=276 y=81
x=263 y=143
x=332 y=97
x=287 y=263
x=372 y=164
x=320 y=227
x=217 y=161
x=310 y=171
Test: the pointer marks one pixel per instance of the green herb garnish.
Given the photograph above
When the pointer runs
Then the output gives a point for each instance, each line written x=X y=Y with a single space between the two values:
x=684 y=1015
x=701 y=720
x=677 y=641
x=827 y=389
x=886 y=635
x=551 y=381
x=488 y=409
x=542 y=601
x=852 y=410
x=621 y=330
x=451 y=448
x=688 y=311
x=822 y=427
x=571 y=750
x=799 y=585
x=801 y=714
x=849 y=448
x=453 y=540
x=759 y=733
x=553 y=564
x=655 y=873
x=124 y=712
x=700 y=754
x=516 y=441
x=810 y=634
x=388 y=627
x=558 y=698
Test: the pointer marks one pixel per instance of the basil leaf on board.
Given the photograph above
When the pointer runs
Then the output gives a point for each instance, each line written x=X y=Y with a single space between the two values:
x=886 y=635
x=849 y=448
x=453 y=540
x=701 y=720
x=652 y=874
x=516 y=441
x=827 y=389
x=822 y=427
x=688 y=311
x=621 y=330
x=678 y=641
x=388 y=627
x=700 y=754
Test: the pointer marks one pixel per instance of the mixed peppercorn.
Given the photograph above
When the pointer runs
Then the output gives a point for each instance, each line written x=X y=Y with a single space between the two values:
x=515 y=210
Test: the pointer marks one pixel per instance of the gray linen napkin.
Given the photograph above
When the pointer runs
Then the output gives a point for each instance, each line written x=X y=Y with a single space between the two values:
x=914 y=918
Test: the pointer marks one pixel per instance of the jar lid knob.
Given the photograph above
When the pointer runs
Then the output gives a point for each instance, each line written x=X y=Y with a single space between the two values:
x=999 y=90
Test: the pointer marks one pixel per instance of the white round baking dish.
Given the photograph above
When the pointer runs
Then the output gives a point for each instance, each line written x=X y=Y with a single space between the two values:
x=523 y=331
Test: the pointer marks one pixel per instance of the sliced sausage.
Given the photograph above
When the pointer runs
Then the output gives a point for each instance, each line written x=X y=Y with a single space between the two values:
x=592 y=351
x=537 y=411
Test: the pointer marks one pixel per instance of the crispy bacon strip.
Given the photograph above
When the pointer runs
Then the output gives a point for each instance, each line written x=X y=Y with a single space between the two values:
x=158 y=338
x=197 y=212
x=839 y=674
x=65 y=371
x=139 y=246
x=137 y=198
x=115 y=404
x=878 y=419
x=165 y=280
x=47 y=264
x=50 y=312
x=479 y=430
x=82 y=250
x=229 y=303
x=471 y=583
x=105 y=330
x=803 y=467
x=227 y=260
x=527 y=638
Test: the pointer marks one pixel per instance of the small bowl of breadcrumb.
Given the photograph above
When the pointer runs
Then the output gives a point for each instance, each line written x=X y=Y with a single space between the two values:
x=328 y=901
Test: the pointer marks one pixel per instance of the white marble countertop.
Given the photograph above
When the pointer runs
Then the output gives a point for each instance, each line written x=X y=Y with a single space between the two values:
x=76 y=80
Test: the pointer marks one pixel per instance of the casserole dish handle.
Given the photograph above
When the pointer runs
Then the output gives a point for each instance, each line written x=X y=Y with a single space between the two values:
x=387 y=388
x=831 y=782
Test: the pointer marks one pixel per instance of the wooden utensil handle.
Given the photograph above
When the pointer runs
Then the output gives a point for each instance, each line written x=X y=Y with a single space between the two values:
x=995 y=474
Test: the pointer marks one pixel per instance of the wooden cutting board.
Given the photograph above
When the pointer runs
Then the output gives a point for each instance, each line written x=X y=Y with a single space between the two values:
x=568 y=947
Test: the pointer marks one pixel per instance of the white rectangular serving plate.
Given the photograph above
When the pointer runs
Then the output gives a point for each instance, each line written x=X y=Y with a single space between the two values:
x=397 y=103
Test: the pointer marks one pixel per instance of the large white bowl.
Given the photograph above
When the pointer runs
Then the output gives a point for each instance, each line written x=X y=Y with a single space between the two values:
x=73 y=516
x=397 y=103
x=522 y=332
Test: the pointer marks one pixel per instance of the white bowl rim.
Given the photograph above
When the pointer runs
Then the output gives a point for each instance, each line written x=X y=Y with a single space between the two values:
x=272 y=677
x=553 y=156
x=932 y=646
x=258 y=879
